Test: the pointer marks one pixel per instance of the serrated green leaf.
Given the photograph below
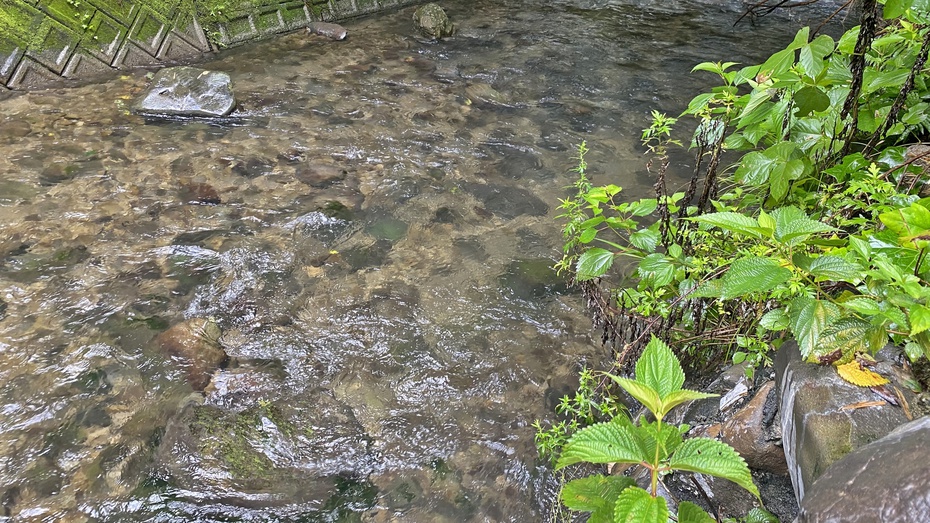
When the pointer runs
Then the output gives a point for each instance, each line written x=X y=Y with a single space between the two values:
x=808 y=318
x=642 y=393
x=759 y=515
x=657 y=268
x=861 y=247
x=690 y=513
x=795 y=230
x=835 y=268
x=658 y=369
x=593 y=263
x=708 y=289
x=919 y=318
x=851 y=335
x=754 y=168
x=774 y=320
x=596 y=494
x=603 y=443
x=645 y=239
x=732 y=222
x=588 y=235
x=635 y=505
x=709 y=456
x=644 y=207
x=862 y=305
x=748 y=275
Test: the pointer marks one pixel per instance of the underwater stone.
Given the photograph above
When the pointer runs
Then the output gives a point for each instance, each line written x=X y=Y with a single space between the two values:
x=432 y=21
x=187 y=91
x=196 y=344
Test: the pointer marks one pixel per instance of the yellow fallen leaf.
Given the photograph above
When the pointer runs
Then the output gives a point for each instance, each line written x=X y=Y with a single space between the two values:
x=855 y=374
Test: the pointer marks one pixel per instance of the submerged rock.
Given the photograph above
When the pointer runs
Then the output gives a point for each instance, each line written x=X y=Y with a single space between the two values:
x=195 y=344
x=331 y=31
x=432 y=21
x=187 y=91
x=887 y=480
x=320 y=175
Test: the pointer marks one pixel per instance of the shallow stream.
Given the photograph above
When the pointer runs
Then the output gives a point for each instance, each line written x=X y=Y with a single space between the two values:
x=369 y=239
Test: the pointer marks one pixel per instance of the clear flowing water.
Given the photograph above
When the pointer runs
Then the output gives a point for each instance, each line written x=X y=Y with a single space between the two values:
x=368 y=239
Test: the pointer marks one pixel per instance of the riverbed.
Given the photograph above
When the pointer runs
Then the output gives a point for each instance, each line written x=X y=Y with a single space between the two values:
x=369 y=238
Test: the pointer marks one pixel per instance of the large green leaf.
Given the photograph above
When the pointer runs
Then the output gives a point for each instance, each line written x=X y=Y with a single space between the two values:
x=596 y=494
x=757 y=274
x=895 y=8
x=658 y=368
x=919 y=318
x=908 y=222
x=690 y=513
x=835 y=268
x=657 y=268
x=709 y=456
x=732 y=222
x=851 y=335
x=593 y=263
x=808 y=318
x=603 y=443
x=809 y=99
x=754 y=168
x=645 y=239
x=635 y=505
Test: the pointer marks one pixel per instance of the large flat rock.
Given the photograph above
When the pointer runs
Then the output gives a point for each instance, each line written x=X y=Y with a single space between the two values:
x=887 y=480
x=187 y=91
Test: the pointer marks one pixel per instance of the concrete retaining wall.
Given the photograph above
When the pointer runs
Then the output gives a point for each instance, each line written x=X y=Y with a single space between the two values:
x=45 y=41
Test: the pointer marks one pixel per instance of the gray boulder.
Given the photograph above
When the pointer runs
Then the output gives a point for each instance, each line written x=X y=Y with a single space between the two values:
x=824 y=418
x=432 y=21
x=887 y=480
x=331 y=31
x=187 y=91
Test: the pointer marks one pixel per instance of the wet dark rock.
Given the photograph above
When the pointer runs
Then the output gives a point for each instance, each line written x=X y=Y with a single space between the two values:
x=374 y=255
x=15 y=129
x=747 y=432
x=444 y=215
x=253 y=167
x=292 y=156
x=331 y=31
x=887 y=480
x=187 y=91
x=507 y=202
x=194 y=344
x=485 y=96
x=533 y=279
x=820 y=419
x=182 y=167
x=200 y=193
x=320 y=175
x=432 y=21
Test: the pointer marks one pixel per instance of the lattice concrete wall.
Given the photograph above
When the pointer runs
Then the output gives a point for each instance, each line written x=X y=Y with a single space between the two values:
x=43 y=41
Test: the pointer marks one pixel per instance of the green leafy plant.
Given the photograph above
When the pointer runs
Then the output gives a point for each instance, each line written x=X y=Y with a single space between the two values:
x=817 y=232
x=657 y=446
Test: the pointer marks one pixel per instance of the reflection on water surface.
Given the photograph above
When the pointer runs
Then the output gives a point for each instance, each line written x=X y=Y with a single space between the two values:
x=337 y=306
